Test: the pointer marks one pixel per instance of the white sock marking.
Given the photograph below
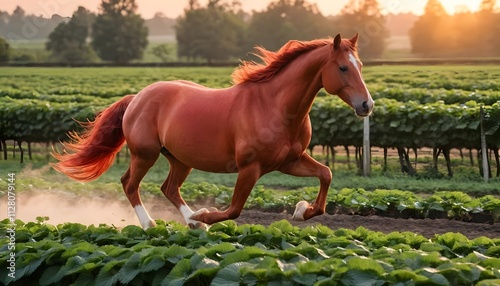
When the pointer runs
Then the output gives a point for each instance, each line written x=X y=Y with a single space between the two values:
x=187 y=213
x=143 y=216
x=300 y=209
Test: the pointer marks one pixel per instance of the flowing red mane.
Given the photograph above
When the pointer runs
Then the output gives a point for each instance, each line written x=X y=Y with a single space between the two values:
x=275 y=61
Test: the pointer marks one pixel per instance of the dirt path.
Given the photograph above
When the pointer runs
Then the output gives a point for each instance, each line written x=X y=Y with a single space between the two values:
x=425 y=227
x=63 y=207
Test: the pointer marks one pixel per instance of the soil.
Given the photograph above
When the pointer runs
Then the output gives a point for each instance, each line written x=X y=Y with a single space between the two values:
x=63 y=207
x=426 y=227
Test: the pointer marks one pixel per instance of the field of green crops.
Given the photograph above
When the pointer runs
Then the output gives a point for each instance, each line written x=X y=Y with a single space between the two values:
x=416 y=107
x=228 y=254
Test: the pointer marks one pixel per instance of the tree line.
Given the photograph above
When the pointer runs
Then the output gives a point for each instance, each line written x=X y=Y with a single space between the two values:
x=466 y=33
x=218 y=31
x=221 y=31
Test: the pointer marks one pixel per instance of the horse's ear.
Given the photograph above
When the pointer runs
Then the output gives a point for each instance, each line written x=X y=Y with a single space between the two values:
x=336 y=42
x=354 y=39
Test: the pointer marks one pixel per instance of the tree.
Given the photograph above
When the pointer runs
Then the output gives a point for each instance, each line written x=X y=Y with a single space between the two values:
x=462 y=23
x=286 y=20
x=365 y=18
x=68 y=41
x=160 y=25
x=164 y=52
x=212 y=33
x=488 y=29
x=5 y=50
x=119 y=33
x=430 y=35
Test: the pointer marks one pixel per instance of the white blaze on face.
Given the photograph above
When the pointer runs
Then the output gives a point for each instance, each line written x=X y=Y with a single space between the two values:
x=354 y=61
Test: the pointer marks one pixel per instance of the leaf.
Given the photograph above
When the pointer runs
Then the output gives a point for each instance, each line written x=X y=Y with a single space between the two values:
x=176 y=253
x=359 y=263
x=179 y=274
x=492 y=130
x=49 y=276
x=434 y=277
x=133 y=231
x=404 y=275
x=215 y=251
x=108 y=274
x=29 y=269
x=237 y=256
x=84 y=279
x=355 y=277
x=204 y=269
x=229 y=275
x=130 y=269
x=152 y=263
x=493 y=251
x=305 y=279
x=489 y=282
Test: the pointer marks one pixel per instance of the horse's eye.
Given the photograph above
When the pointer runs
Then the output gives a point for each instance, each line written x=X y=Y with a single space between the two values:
x=343 y=68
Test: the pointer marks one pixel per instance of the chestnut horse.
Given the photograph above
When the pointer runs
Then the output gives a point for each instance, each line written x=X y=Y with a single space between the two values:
x=260 y=124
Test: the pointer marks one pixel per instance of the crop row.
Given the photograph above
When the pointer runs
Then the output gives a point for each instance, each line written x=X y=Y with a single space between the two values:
x=423 y=84
x=398 y=93
x=41 y=121
x=406 y=124
x=393 y=203
x=394 y=124
x=228 y=254
x=425 y=96
x=469 y=78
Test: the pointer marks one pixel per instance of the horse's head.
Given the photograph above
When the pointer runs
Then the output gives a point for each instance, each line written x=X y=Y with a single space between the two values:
x=342 y=76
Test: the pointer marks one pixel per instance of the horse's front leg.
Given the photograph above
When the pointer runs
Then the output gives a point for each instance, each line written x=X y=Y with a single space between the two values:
x=247 y=177
x=306 y=166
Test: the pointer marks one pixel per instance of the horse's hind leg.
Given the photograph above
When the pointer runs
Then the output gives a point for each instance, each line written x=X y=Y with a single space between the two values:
x=306 y=166
x=139 y=166
x=247 y=177
x=171 y=188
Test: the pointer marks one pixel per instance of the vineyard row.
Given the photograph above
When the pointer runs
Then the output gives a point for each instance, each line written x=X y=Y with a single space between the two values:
x=394 y=124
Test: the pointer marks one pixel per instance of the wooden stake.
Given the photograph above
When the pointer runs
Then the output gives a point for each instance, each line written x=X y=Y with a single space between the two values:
x=366 y=147
x=484 y=149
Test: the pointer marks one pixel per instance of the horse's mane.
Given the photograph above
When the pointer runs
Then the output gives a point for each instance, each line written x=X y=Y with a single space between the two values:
x=274 y=61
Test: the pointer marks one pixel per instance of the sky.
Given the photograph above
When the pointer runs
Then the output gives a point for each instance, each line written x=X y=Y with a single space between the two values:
x=175 y=8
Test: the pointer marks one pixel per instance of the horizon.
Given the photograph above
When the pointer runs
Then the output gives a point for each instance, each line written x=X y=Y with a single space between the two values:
x=174 y=9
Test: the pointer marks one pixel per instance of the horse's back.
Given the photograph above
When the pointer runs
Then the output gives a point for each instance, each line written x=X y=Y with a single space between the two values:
x=191 y=121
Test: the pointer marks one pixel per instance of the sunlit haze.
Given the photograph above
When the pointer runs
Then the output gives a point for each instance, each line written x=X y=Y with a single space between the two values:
x=174 y=8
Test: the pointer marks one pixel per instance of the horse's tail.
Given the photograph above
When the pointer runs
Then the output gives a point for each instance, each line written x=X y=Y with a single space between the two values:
x=92 y=152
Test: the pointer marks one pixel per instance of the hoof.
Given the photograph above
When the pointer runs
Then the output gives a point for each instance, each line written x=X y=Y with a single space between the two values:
x=300 y=209
x=198 y=225
x=151 y=224
x=198 y=215
x=212 y=209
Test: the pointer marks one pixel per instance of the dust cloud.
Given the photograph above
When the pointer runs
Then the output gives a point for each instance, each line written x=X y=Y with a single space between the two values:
x=63 y=207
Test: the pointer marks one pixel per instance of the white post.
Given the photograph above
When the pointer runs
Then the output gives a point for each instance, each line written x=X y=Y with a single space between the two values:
x=484 y=149
x=366 y=147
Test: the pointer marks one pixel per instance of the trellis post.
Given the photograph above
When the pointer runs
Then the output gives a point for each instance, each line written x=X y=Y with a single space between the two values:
x=366 y=147
x=484 y=149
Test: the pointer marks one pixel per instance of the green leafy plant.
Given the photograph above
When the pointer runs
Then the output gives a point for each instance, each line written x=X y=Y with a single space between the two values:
x=248 y=254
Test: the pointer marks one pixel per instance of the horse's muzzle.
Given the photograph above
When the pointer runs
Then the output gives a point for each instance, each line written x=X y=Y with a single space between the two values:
x=365 y=108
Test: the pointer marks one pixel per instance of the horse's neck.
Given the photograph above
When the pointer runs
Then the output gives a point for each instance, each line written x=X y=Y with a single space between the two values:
x=298 y=83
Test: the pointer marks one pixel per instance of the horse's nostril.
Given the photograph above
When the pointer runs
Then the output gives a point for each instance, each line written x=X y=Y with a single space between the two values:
x=365 y=106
